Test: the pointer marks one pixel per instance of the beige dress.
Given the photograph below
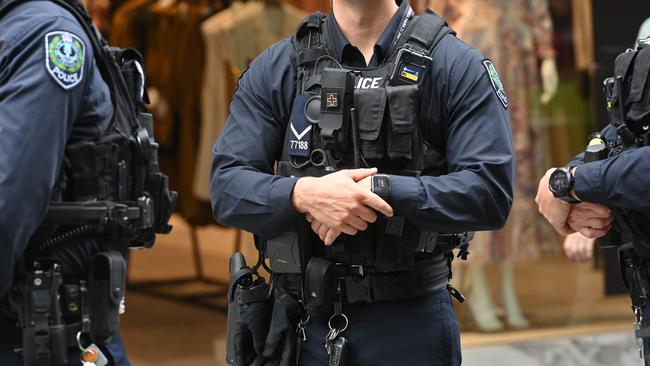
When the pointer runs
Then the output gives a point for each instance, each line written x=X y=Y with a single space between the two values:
x=516 y=35
x=233 y=38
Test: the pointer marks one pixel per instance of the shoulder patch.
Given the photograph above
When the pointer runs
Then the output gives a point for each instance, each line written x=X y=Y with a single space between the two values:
x=64 y=58
x=497 y=84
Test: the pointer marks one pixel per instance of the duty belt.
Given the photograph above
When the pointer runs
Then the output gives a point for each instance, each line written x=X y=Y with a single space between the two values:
x=361 y=285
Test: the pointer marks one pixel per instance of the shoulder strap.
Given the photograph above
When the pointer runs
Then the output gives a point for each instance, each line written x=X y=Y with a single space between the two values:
x=640 y=75
x=309 y=47
x=424 y=33
x=308 y=40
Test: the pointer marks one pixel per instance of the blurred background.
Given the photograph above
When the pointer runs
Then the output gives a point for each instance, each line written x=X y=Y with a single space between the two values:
x=528 y=304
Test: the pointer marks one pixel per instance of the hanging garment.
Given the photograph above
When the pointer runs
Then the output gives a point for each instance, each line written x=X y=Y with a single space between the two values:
x=233 y=38
x=516 y=35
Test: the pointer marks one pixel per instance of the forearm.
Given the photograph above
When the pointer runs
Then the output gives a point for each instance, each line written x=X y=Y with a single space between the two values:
x=616 y=181
x=252 y=200
x=456 y=202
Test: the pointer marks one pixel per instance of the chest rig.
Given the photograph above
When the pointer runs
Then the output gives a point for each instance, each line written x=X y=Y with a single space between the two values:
x=345 y=118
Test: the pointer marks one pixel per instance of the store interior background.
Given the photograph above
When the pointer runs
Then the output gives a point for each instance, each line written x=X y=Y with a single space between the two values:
x=175 y=302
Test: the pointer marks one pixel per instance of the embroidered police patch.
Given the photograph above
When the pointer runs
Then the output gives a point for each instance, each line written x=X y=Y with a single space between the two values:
x=64 y=58
x=497 y=85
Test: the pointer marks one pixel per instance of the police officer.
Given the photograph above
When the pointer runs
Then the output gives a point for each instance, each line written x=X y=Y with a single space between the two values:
x=602 y=192
x=55 y=107
x=452 y=109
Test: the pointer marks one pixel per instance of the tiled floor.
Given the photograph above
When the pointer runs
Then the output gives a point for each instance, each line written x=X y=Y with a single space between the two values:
x=608 y=349
x=557 y=297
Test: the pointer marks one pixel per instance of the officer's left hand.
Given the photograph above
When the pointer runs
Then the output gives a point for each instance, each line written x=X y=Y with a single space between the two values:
x=578 y=248
x=554 y=210
x=590 y=219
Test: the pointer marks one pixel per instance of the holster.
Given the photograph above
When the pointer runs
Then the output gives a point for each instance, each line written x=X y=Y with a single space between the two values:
x=248 y=315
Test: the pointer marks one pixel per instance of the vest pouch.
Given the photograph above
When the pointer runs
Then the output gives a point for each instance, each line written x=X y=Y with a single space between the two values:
x=389 y=245
x=361 y=250
x=404 y=109
x=106 y=281
x=371 y=105
x=98 y=170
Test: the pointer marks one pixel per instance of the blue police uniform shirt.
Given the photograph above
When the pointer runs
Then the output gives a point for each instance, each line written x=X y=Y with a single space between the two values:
x=42 y=107
x=50 y=91
x=466 y=186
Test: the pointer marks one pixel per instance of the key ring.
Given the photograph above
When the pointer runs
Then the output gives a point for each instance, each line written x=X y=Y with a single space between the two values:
x=82 y=348
x=345 y=318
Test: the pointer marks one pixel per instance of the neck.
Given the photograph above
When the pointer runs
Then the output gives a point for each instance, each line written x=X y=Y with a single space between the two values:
x=363 y=21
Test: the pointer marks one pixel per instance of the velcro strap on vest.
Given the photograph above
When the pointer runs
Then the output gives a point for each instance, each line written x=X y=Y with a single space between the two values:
x=304 y=57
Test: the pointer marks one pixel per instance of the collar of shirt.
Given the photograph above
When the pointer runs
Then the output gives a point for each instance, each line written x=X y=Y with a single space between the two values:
x=349 y=55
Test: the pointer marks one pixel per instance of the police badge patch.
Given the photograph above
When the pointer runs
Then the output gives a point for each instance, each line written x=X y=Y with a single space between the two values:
x=497 y=85
x=64 y=58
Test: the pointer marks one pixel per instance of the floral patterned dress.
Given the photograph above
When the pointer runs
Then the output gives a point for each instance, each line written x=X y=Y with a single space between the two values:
x=516 y=35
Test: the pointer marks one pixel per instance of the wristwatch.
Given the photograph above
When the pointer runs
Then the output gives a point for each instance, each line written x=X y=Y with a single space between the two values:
x=380 y=185
x=561 y=183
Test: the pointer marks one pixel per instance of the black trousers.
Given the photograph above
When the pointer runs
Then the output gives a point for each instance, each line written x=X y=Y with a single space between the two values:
x=422 y=331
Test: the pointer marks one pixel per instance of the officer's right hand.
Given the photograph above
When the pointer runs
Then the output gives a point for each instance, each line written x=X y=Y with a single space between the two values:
x=338 y=202
x=590 y=219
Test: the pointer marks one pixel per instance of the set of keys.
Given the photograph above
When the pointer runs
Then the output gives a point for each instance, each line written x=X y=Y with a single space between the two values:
x=336 y=345
x=91 y=355
x=638 y=319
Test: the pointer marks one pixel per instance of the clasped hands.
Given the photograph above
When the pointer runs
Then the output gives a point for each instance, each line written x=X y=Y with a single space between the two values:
x=340 y=202
x=590 y=219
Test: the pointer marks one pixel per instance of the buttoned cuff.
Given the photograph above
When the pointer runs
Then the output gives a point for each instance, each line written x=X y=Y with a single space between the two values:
x=588 y=183
x=405 y=195
x=285 y=215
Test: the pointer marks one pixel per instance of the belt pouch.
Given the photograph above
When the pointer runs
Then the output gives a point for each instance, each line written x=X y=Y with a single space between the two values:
x=404 y=109
x=106 y=281
x=320 y=280
x=371 y=105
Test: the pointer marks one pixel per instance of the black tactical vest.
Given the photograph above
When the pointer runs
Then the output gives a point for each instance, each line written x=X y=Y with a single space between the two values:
x=112 y=186
x=344 y=118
